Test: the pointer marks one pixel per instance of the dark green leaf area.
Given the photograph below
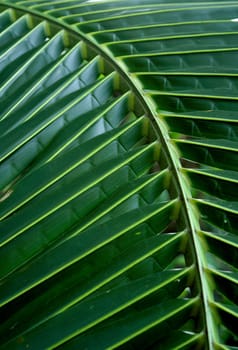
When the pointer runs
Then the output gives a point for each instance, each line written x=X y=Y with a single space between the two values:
x=114 y=200
x=201 y=107
x=190 y=63
x=166 y=31
x=229 y=315
x=118 y=174
x=69 y=198
x=20 y=53
x=217 y=187
x=179 y=340
x=223 y=249
x=75 y=249
x=60 y=140
x=30 y=96
x=190 y=85
x=15 y=31
x=210 y=155
x=84 y=278
x=168 y=315
x=219 y=218
x=228 y=286
x=126 y=331
x=179 y=13
x=21 y=135
x=203 y=128
x=172 y=45
x=85 y=156
x=5 y=20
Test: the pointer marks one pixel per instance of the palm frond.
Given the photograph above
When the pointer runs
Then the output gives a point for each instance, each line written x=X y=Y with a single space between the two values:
x=118 y=174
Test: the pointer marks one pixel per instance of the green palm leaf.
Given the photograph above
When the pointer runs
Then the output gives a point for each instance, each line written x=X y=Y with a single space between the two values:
x=118 y=174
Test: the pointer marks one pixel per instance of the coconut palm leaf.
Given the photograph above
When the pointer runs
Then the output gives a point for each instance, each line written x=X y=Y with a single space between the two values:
x=118 y=174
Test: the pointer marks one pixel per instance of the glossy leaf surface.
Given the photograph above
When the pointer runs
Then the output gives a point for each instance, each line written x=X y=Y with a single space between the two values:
x=118 y=174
